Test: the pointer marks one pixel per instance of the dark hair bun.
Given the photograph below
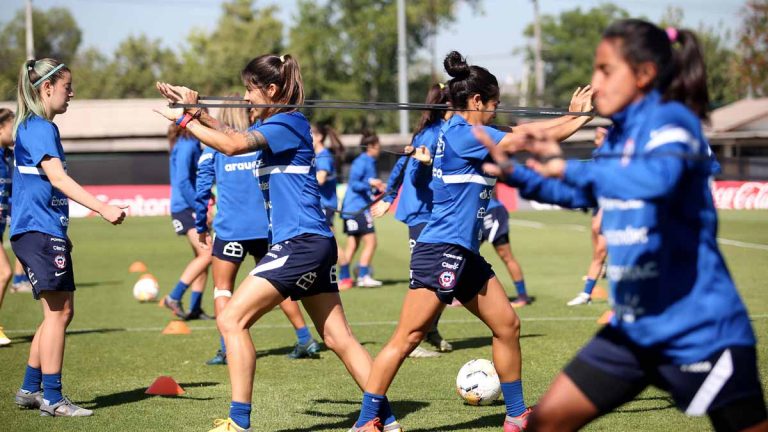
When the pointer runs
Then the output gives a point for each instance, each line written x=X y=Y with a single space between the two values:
x=456 y=65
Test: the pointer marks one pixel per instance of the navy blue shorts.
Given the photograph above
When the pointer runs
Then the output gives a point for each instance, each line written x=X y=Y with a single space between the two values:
x=359 y=225
x=450 y=271
x=496 y=226
x=47 y=261
x=329 y=215
x=301 y=267
x=611 y=370
x=235 y=251
x=183 y=221
x=413 y=234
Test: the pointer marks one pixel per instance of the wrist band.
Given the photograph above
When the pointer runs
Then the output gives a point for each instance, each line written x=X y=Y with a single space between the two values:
x=179 y=120
x=185 y=120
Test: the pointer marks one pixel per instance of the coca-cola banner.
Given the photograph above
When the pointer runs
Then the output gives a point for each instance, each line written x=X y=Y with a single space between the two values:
x=141 y=200
x=740 y=195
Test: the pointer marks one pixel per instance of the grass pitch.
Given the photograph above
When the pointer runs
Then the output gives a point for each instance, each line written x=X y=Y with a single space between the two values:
x=115 y=349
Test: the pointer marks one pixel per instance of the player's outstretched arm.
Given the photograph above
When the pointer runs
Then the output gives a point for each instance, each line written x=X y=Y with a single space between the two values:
x=59 y=178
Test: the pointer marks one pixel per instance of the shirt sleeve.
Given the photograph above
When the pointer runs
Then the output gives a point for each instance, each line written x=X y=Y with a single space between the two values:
x=282 y=134
x=358 y=179
x=188 y=162
x=324 y=162
x=395 y=179
x=533 y=186
x=41 y=140
x=206 y=176
x=468 y=147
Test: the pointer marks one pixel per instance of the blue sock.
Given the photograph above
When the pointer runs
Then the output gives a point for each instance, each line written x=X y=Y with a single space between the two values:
x=18 y=278
x=240 y=413
x=344 y=273
x=385 y=413
x=303 y=335
x=178 y=291
x=33 y=379
x=370 y=409
x=520 y=286
x=513 y=397
x=52 y=388
x=223 y=347
x=589 y=285
x=362 y=271
x=195 y=301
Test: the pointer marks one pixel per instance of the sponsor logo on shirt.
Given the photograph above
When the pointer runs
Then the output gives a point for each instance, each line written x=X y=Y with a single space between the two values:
x=264 y=186
x=481 y=213
x=649 y=270
x=240 y=166
x=617 y=204
x=64 y=221
x=626 y=237
x=485 y=194
x=437 y=172
x=58 y=202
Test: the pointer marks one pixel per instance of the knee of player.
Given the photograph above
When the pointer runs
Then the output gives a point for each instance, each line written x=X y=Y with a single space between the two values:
x=510 y=330
x=228 y=322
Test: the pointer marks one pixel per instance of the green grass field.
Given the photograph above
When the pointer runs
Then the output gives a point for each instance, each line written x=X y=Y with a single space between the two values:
x=115 y=349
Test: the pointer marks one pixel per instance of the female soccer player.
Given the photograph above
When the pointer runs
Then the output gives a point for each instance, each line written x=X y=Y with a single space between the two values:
x=185 y=153
x=41 y=188
x=241 y=228
x=301 y=261
x=679 y=322
x=358 y=223
x=6 y=141
x=414 y=206
x=446 y=263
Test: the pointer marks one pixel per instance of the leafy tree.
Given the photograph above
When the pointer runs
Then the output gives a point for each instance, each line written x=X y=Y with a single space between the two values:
x=753 y=41
x=569 y=42
x=56 y=35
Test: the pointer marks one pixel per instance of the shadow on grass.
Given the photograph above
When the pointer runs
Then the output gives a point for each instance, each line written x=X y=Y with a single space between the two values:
x=28 y=338
x=99 y=283
x=487 y=421
x=481 y=341
x=666 y=403
x=283 y=351
x=531 y=299
x=338 y=421
x=137 y=395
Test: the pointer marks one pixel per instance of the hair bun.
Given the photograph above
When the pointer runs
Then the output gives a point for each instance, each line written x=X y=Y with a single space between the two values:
x=31 y=64
x=456 y=65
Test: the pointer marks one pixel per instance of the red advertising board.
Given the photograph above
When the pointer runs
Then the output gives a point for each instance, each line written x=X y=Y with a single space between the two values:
x=141 y=200
x=740 y=195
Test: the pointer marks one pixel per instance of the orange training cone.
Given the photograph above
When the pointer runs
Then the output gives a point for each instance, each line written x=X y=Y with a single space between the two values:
x=599 y=293
x=606 y=317
x=177 y=327
x=137 y=267
x=165 y=386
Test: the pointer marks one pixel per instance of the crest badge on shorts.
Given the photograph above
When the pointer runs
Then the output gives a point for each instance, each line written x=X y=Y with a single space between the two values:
x=60 y=261
x=447 y=279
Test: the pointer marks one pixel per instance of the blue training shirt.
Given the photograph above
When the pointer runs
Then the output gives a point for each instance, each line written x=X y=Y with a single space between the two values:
x=415 y=204
x=287 y=176
x=325 y=162
x=359 y=189
x=670 y=286
x=183 y=168
x=6 y=182
x=461 y=188
x=38 y=206
x=240 y=207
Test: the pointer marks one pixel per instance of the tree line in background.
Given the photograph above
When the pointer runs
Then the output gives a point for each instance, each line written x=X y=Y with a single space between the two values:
x=348 y=50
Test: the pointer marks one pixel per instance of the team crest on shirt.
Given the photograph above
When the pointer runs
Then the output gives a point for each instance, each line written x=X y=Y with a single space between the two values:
x=60 y=261
x=447 y=279
x=629 y=150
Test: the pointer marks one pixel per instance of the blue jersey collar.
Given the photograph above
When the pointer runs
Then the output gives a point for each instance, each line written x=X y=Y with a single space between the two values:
x=631 y=113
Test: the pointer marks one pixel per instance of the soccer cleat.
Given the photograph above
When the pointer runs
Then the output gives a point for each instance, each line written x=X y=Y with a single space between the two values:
x=517 y=424
x=346 y=284
x=420 y=352
x=581 y=299
x=198 y=314
x=368 y=282
x=309 y=349
x=175 y=307
x=219 y=359
x=372 y=426
x=228 y=425
x=393 y=427
x=520 y=301
x=21 y=287
x=4 y=340
x=436 y=340
x=63 y=408
x=25 y=399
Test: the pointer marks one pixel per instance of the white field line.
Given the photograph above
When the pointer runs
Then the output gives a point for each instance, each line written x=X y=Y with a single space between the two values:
x=354 y=324
x=579 y=228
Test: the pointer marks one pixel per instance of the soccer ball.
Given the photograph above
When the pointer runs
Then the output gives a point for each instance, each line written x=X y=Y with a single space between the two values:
x=478 y=383
x=146 y=288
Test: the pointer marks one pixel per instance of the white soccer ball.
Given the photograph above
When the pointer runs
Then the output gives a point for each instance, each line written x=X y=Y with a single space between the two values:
x=146 y=288
x=478 y=383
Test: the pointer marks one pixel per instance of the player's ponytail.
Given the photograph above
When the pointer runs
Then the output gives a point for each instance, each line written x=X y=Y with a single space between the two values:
x=31 y=77
x=437 y=95
x=368 y=139
x=681 y=73
x=282 y=71
x=468 y=80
